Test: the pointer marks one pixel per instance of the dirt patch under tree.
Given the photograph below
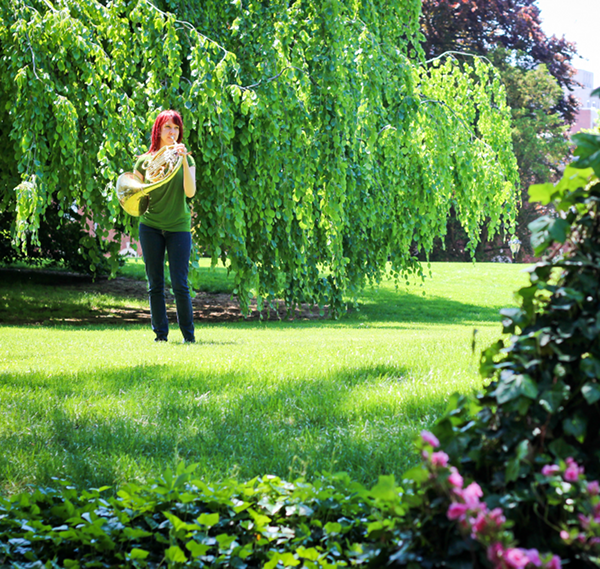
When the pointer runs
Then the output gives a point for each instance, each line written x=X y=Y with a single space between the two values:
x=208 y=307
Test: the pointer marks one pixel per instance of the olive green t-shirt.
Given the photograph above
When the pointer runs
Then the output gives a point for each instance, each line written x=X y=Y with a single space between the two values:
x=168 y=208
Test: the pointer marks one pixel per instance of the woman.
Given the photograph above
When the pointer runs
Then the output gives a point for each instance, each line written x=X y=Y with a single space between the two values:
x=167 y=225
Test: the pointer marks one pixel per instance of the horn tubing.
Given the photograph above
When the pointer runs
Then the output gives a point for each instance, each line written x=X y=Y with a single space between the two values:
x=133 y=194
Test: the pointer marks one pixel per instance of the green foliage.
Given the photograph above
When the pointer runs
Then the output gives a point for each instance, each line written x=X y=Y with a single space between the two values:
x=542 y=402
x=180 y=521
x=62 y=239
x=539 y=134
x=540 y=143
x=323 y=146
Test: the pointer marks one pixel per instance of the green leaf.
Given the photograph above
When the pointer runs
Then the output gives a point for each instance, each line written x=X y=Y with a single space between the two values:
x=576 y=426
x=259 y=519
x=561 y=449
x=385 y=489
x=559 y=229
x=591 y=392
x=197 y=549
x=288 y=559
x=522 y=450
x=591 y=367
x=551 y=400
x=587 y=151
x=541 y=193
x=136 y=553
x=308 y=553
x=208 y=520
x=417 y=473
x=332 y=527
x=512 y=470
x=517 y=386
x=175 y=554
x=225 y=541
x=177 y=523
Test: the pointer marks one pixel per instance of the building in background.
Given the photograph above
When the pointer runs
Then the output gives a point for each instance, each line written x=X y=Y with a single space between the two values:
x=587 y=115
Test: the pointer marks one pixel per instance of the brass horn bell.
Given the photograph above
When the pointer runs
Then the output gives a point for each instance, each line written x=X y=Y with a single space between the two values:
x=160 y=169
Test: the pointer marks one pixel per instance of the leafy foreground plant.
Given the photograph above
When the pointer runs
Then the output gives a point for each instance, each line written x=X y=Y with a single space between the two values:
x=177 y=520
x=510 y=463
x=527 y=439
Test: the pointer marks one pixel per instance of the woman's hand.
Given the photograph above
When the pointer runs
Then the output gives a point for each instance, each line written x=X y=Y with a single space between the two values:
x=181 y=149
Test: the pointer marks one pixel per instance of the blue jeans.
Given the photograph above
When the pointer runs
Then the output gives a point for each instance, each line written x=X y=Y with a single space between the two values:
x=178 y=245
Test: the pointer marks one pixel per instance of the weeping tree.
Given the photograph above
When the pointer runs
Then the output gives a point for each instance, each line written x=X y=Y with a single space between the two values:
x=328 y=151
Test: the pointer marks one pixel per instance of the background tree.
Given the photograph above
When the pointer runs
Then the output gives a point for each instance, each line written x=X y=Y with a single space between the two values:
x=537 y=73
x=323 y=147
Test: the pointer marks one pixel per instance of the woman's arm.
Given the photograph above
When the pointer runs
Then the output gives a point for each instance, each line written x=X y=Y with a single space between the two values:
x=189 y=179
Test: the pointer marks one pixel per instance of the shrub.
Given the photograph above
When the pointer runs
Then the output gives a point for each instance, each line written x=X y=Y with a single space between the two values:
x=177 y=521
x=62 y=239
x=541 y=405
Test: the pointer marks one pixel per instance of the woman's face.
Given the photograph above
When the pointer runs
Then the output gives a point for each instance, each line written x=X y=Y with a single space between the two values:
x=169 y=133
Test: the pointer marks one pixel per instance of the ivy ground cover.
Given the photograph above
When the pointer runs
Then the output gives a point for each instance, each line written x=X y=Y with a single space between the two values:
x=101 y=405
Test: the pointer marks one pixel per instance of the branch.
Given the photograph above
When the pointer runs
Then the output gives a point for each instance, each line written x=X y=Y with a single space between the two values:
x=277 y=77
x=32 y=57
x=189 y=26
x=387 y=127
x=474 y=55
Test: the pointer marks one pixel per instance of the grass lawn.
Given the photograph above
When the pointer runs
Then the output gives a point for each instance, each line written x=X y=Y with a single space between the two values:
x=101 y=405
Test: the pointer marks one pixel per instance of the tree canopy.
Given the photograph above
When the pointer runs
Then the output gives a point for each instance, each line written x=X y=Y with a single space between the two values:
x=325 y=148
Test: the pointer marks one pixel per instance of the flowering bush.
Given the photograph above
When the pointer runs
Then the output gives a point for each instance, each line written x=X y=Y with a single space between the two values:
x=510 y=463
x=487 y=527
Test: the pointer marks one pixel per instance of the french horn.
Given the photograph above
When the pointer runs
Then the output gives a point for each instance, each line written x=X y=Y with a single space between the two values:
x=160 y=169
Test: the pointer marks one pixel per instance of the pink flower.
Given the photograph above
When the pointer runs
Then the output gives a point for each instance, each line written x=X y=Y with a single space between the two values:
x=439 y=459
x=593 y=488
x=479 y=524
x=516 y=558
x=456 y=511
x=534 y=557
x=584 y=521
x=471 y=495
x=572 y=473
x=430 y=439
x=573 y=470
x=497 y=516
x=495 y=552
x=554 y=563
x=564 y=535
x=455 y=478
x=550 y=469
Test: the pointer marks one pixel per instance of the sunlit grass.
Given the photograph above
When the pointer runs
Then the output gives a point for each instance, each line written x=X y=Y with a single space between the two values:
x=102 y=405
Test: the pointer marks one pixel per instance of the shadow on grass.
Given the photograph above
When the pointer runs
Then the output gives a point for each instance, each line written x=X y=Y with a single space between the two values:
x=107 y=428
x=400 y=306
x=35 y=297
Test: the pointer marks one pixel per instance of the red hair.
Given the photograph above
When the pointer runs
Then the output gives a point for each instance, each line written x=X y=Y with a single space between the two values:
x=161 y=119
